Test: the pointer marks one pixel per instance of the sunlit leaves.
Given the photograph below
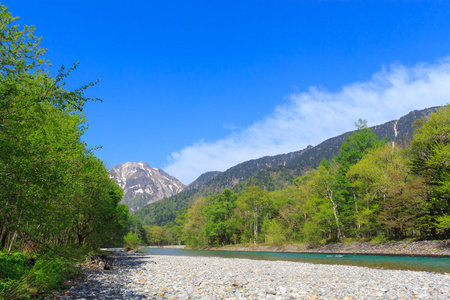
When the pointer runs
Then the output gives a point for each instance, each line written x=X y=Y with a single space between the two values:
x=391 y=197
x=53 y=191
x=430 y=159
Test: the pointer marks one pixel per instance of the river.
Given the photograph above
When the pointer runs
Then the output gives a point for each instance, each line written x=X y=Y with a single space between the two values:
x=393 y=262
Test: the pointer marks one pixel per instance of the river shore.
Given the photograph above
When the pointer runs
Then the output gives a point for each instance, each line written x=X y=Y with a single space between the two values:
x=143 y=276
x=165 y=247
x=418 y=248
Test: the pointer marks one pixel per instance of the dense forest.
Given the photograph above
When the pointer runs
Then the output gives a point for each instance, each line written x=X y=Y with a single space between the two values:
x=370 y=190
x=57 y=201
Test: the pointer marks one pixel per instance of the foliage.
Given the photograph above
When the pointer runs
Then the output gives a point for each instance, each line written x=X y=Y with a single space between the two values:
x=132 y=240
x=135 y=226
x=54 y=192
x=255 y=209
x=13 y=268
x=57 y=200
x=430 y=159
x=325 y=185
x=443 y=222
x=164 y=211
x=50 y=270
x=388 y=196
x=352 y=151
x=24 y=274
x=274 y=234
x=193 y=231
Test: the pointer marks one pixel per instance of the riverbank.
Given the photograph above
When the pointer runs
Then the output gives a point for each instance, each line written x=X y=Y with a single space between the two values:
x=164 y=247
x=422 y=248
x=137 y=276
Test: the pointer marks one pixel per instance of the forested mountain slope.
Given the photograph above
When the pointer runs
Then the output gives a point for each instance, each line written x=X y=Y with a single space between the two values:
x=202 y=180
x=274 y=172
x=398 y=131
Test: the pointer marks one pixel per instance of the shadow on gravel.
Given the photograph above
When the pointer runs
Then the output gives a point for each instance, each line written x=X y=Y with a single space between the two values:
x=114 y=284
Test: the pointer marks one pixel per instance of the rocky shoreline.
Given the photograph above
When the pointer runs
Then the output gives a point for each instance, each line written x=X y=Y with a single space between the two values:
x=165 y=247
x=137 y=276
x=416 y=248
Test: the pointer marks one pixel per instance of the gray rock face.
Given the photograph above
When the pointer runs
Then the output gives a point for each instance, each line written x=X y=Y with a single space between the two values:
x=143 y=184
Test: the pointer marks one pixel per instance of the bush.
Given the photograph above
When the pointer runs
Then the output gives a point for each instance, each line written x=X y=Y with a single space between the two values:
x=275 y=235
x=132 y=241
x=312 y=233
x=380 y=238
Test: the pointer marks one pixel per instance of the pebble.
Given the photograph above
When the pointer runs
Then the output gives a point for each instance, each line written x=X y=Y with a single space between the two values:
x=137 y=276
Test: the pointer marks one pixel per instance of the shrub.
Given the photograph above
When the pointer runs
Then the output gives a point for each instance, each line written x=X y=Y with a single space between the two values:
x=132 y=241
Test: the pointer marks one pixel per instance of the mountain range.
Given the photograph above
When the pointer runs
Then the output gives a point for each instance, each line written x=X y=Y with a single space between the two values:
x=271 y=172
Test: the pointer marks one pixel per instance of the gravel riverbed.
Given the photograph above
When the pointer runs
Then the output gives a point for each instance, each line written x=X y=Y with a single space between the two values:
x=137 y=276
x=427 y=248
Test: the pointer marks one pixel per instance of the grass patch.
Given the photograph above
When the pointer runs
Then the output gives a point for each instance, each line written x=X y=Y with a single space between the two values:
x=23 y=275
x=13 y=270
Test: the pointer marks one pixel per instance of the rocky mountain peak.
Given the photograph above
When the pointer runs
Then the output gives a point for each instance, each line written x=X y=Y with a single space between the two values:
x=143 y=184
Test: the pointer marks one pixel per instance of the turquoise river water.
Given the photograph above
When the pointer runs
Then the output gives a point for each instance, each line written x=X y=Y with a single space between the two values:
x=394 y=262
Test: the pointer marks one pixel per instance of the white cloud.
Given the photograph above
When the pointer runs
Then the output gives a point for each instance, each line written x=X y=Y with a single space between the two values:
x=316 y=115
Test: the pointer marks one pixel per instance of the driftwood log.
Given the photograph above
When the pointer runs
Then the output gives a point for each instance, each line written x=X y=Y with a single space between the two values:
x=99 y=262
x=131 y=250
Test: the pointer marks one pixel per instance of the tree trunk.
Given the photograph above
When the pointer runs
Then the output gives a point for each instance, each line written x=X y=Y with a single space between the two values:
x=255 y=227
x=330 y=196
x=3 y=237
x=358 y=231
x=12 y=242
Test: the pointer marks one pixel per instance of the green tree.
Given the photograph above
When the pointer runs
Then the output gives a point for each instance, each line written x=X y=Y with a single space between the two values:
x=193 y=231
x=49 y=180
x=390 y=196
x=132 y=241
x=324 y=184
x=94 y=208
x=255 y=208
x=430 y=159
x=56 y=199
x=220 y=228
x=317 y=213
x=353 y=150
x=295 y=206
x=176 y=228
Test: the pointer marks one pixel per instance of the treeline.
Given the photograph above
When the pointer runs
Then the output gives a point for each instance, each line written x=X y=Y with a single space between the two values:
x=55 y=195
x=371 y=190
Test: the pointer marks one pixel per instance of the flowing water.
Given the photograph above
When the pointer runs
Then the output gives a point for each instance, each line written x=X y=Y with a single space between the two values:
x=393 y=262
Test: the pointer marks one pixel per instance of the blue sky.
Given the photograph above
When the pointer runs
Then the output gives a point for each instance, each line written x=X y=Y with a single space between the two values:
x=196 y=86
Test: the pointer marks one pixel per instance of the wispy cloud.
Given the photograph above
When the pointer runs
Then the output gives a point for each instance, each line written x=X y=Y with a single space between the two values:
x=230 y=126
x=313 y=116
